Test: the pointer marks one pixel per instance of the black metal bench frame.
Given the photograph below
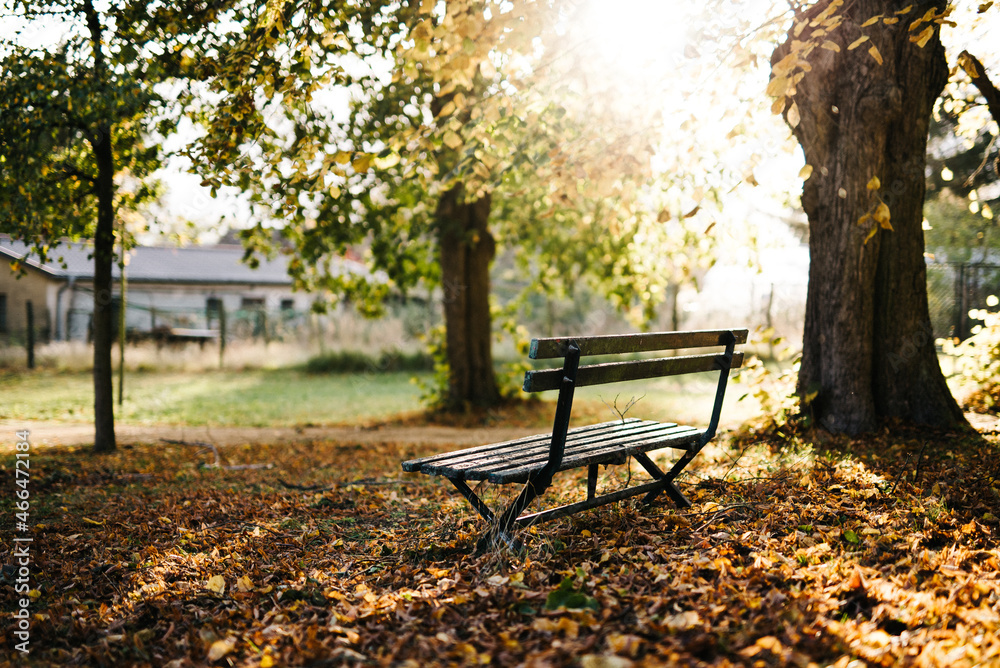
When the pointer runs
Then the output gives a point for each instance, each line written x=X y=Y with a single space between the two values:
x=535 y=459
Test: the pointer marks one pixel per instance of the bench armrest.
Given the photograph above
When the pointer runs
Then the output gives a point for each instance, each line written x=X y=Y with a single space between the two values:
x=724 y=364
x=564 y=406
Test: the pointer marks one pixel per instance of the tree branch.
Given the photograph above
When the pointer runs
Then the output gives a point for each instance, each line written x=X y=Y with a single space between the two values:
x=974 y=68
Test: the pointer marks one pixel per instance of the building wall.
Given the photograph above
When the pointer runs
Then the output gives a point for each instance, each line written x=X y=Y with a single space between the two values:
x=17 y=290
x=152 y=305
x=64 y=309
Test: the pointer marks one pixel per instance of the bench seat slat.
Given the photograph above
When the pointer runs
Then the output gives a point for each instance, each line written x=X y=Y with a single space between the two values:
x=535 y=455
x=614 y=372
x=611 y=453
x=633 y=343
x=472 y=456
x=603 y=443
x=529 y=441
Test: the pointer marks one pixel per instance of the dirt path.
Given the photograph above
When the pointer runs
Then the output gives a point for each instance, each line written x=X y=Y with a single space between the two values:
x=66 y=433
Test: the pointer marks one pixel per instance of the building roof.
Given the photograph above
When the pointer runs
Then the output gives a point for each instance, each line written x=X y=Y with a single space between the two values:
x=156 y=264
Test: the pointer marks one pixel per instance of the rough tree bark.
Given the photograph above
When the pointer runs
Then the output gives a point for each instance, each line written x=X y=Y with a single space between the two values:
x=104 y=255
x=466 y=250
x=868 y=349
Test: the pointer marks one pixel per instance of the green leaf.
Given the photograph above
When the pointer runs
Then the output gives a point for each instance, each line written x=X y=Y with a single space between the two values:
x=567 y=596
x=850 y=536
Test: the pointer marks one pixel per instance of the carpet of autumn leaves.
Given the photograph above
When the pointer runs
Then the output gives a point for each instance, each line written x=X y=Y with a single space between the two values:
x=799 y=550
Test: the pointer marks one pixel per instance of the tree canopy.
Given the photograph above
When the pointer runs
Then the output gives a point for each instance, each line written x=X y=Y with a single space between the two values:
x=84 y=104
x=431 y=134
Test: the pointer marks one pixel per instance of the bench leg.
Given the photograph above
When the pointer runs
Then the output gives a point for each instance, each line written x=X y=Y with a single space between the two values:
x=591 y=481
x=471 y=497
x=667 y=479
x=494 y=534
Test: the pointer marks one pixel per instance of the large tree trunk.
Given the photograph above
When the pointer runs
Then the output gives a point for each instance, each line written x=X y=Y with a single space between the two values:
x=868 y=351
x=466 y=250
x=104 y=255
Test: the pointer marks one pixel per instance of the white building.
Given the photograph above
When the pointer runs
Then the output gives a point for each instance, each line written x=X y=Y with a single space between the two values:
x=165 y=288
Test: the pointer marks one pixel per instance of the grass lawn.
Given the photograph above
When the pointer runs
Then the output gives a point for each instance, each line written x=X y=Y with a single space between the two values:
x=257 y=398
x=288 y=397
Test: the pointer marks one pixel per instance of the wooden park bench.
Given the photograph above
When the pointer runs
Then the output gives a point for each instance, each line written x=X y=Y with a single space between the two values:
x=535 y=459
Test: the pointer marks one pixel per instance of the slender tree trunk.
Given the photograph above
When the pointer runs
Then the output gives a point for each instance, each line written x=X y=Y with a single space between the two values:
x=868 y=351
x=466 y=250
x=104 y=253
x=104 y=256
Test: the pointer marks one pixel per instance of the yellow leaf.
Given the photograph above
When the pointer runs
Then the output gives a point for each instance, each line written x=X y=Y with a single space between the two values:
x=871 y=233
x=785 y=65
x=362 y=163
x=216 y=583
x=875 y=54
x=452 y=140
x=864 y=219
x=889 y=20
x=905 y=10
x=986 y=5
x=793 y=115
x=872 y=21
x=777 y=86
x=94 y=522
x=682 y=621
x=874 y=184
x=447 y=110
x=342 y=157
x=924 y=37
x=334 y=192
x=778 y=106
x=244 y=584
x=967 y=64
x=841 y=193
x=219 y=649
x=858 y=42
x=266 y=661
x=805 y=172
x=882 y=215
x=831 y=46
x=385 y=162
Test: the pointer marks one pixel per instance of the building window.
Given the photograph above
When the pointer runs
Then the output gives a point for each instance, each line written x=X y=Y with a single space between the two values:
x=253 y=303
x=213 y=311
x=3 y=313
x=287 y=304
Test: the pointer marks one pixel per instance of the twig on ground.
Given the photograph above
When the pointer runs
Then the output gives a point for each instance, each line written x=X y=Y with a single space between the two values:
x=367 y=482
x=722 y=511
x=217 y=464
x=920 y=459
x=905 y=467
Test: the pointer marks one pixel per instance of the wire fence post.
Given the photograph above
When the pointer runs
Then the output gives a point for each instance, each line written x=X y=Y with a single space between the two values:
x=222 y=333
x=122 y=306
x=30 y=338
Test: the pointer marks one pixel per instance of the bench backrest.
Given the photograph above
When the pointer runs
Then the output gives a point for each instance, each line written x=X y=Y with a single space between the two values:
x=613 y=372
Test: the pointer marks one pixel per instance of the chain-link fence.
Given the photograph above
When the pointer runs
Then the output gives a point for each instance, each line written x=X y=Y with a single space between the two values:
x=953 y=289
